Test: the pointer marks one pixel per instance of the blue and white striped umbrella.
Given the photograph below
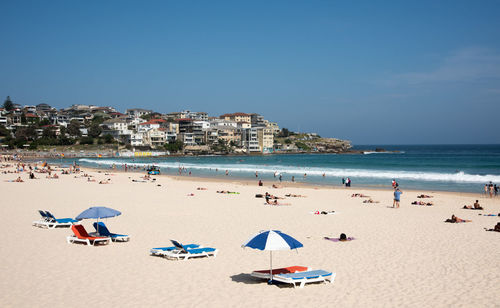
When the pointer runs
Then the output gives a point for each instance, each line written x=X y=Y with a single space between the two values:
x=272 y=240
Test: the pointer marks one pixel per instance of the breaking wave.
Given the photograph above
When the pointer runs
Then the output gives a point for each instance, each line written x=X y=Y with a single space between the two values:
x=458 y=177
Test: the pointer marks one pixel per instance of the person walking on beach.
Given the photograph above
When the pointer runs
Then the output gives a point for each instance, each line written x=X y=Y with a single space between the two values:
x=397 y=198
x=491 y=190
x=486 y=189
x=281 y=177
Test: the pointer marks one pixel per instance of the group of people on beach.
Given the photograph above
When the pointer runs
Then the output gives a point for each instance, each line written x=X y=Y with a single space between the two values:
x=491 y=190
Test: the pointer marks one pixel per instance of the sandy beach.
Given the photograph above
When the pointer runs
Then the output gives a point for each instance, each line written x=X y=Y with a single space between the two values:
x=406 y=257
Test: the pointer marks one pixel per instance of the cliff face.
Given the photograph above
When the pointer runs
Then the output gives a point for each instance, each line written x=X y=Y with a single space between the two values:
x=329 y=145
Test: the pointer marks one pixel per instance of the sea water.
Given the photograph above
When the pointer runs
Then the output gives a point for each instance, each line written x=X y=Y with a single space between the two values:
x=428 y=167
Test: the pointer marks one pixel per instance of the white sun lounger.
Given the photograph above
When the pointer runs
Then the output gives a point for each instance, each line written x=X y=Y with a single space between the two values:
x=302 y=278
x=182 y=252
x=50 y=222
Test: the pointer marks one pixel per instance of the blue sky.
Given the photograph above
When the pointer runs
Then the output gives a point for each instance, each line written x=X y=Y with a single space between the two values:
x=373 y=72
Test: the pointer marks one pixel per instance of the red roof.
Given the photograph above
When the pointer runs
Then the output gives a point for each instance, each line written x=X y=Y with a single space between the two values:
x=30 y=115
x=158 y=120
x=149 y=122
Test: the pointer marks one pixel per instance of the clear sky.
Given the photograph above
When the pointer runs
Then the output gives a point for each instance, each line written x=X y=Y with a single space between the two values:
x=374 y=72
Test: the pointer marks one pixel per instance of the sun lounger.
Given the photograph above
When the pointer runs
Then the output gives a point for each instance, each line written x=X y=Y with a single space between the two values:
x=81 y=236
x=183 y=252
x=302 y=278
x=103 y=231
x=265 y=274
x=159 y=251
x=49 y=221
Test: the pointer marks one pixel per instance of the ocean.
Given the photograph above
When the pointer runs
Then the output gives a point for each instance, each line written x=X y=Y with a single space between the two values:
x=462 y=168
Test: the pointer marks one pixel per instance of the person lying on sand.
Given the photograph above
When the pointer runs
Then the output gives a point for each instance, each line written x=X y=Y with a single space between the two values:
x=496 y=228
x=18 y=180
x=105 y=181
x=424 y=196
x=295 y=196
x=190 y=195
x=489 y=214
x=360 y=195
x=227 y=192
x=201 y=188
x=342 y=238
x=90 y=180
x=370 y=201
x=455 y=219
x=475 y=206
x=275 y=202
x=277 y=186
x=323 y=212
x=422 y=203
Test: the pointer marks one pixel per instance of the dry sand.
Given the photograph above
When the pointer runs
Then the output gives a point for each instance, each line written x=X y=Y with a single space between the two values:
x=401 y=257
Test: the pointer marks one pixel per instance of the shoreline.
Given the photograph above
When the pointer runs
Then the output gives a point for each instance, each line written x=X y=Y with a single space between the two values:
x=284 y=184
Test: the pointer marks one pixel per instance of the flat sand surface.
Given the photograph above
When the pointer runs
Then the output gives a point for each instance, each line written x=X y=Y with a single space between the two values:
x=406 y=257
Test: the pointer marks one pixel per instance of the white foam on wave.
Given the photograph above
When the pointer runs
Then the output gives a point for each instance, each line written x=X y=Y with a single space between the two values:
x=458 y=177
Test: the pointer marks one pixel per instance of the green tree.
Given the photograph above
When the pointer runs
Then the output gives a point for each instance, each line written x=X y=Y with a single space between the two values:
x=146 y=117
x=49 y=132
x=94 y=130
x=4 y=131
x=87 y=140
x=175 y=146
x=26 y=133
x=74 y=128
x=44 y=122
x=8 y=105
x=284 y=132
x=108 y=139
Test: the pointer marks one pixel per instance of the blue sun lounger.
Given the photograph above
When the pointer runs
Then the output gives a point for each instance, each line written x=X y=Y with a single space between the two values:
x=49 y=221
x=183 y=252
x=101 y=228
x=158 y=251
x=305 y=277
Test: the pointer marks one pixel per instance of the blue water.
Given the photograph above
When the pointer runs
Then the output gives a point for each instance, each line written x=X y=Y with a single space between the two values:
x=431 y=167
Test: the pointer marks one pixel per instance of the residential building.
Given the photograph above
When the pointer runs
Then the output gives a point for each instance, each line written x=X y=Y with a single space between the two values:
x=137 y=112
x=265 y=136
x=237 y=117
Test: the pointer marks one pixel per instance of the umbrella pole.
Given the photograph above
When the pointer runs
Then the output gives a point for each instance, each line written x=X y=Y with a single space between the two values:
x=271 y=268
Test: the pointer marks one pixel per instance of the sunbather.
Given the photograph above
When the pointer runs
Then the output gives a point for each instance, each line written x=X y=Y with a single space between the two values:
x=422 y=203
x=201 y=188
x=295 y=196
x=105 y=181
x=455 y=219
x=341 y=238
x=424 y=196
x=360 y=195
x=496 y=228
x=323 y=212
x=370 y=201
x=489 y=214
x=475 y=206
x=275 y=202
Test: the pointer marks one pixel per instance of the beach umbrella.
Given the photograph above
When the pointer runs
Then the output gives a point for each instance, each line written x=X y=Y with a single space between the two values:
x=272 y=240
x=98 y=212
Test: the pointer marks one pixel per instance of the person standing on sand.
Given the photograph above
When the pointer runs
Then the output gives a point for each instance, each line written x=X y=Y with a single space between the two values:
x=486 y=189
x=343 y=181
x=281 y=177
x=397 y=198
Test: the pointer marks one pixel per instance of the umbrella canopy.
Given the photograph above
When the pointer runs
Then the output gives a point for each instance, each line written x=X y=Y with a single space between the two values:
x=272 y=240
x=98 y=212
